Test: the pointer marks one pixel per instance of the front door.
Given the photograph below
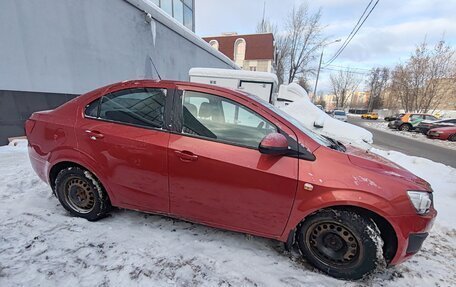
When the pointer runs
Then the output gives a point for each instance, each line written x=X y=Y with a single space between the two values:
x=216 y=173
x=123 y=132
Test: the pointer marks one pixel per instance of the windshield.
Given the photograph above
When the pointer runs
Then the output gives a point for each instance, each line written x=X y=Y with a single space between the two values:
x=316 y=137
x=339 y=113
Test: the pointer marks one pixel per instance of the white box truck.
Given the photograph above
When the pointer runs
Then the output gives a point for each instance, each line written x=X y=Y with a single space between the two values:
x=260 y=84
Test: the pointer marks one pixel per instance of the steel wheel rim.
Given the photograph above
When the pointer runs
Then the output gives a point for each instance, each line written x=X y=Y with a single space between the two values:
x=333 y=244
x=79 y=195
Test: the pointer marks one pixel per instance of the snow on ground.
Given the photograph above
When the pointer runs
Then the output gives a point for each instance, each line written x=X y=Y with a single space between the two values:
x=42 y=245
x=383 y=126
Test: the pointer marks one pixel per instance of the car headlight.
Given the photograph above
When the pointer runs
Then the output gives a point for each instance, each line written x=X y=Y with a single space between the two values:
x=421 y=200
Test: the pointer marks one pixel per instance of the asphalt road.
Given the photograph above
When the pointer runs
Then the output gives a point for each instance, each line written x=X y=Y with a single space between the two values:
x=408 y=146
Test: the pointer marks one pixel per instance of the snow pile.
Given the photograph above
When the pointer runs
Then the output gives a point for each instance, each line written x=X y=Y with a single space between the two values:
x=307 y=113
x=42 y=245
x=441 y=177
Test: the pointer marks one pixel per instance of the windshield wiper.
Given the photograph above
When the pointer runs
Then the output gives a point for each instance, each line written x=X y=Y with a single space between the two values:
x=336 y=144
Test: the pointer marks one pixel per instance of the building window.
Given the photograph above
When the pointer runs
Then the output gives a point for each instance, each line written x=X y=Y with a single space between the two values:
x=167 y=6
x=188 y=16
x=178 y=10
x=214 y=44
x=239 y=52
x=253 y=68
x=181 y=10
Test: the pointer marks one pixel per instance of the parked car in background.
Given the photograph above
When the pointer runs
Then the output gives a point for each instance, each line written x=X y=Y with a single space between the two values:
x=409 y=121
x=393 y=117
x=230 y=160
x=446 y=133
x=425 y=126
x=370 y=116
x=340 y=115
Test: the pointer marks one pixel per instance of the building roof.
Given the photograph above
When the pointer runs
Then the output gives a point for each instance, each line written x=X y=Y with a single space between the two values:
x=258 y=46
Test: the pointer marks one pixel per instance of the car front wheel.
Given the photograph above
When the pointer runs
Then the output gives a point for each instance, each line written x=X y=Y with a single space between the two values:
x=82 y=194
x=405 y=127
x=341 y=243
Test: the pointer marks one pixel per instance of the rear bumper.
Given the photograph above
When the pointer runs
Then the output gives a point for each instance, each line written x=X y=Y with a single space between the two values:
x=422 y=129
x=392 y=125
x=39 y=165
x=411 y=231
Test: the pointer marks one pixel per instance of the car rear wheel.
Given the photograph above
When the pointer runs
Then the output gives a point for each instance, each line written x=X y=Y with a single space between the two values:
x=341 y=243
x=82 y=194
x=405 y=127
x=452 y=138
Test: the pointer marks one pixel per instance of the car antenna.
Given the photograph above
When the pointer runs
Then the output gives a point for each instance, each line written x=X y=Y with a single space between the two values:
x=156 y=70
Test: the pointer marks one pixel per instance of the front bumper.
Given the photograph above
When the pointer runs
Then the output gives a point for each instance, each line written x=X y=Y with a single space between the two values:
x=409 y=231
x=434 y=135
x=415 y=242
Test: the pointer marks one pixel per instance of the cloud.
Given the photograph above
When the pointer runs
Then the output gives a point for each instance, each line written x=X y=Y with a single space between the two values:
x=388 y=36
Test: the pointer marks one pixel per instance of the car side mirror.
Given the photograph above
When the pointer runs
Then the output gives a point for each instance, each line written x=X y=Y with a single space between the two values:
x=274 y=144
x=319 y=123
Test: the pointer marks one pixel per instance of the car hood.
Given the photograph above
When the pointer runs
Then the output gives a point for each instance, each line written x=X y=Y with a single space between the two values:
x=380 y=165
x=445 y=129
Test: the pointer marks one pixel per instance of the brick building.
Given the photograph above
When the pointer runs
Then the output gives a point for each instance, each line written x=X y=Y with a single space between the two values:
x=253 y=52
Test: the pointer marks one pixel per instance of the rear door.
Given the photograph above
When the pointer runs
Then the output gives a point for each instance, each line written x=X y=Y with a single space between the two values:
x=124 y=133
x=217 y=174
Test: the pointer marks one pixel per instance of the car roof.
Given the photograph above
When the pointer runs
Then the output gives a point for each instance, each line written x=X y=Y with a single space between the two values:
x=173 y=83
x=423 y=114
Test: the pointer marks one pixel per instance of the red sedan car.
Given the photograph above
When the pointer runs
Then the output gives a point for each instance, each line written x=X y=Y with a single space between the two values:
x=229 y=160
x=447 y=133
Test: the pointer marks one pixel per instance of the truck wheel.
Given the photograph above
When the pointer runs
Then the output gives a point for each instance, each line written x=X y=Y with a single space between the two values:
x=82 y=194
x=341 y=243
x=405 y=127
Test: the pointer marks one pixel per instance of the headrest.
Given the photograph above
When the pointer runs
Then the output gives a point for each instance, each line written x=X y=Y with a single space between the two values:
x=206 y=110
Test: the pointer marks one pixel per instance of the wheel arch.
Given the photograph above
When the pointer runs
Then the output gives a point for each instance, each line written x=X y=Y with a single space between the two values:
x=59 y=166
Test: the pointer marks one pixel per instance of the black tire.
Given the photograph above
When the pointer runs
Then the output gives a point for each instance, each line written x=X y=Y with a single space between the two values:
x=452 y=138
x=341 y=243
x=405 y=127
x=82 y=194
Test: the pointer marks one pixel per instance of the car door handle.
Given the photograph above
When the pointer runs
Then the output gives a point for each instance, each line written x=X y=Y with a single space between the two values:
x=94 y=135
x=186 y=155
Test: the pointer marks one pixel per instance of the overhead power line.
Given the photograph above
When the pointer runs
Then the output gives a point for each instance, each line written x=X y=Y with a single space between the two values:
x=348 y=68
x=355 y=30
x=344 y=70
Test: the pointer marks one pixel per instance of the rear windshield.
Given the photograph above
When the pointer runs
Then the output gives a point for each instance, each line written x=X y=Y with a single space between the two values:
x=339 y=113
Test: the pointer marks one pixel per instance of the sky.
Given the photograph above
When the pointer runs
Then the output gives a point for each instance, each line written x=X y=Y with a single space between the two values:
x=388 y=36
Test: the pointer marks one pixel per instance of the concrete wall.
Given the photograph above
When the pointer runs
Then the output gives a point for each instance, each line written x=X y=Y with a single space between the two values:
x=71 y=47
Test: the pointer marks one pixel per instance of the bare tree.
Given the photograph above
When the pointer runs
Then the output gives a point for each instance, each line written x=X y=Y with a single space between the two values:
x=426 y=79
x=377 y=81
x=304 y=39
x=281 y=48
x=344 y=85
x=296 y=45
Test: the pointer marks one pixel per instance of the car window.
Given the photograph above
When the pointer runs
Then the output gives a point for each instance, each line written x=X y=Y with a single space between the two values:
x=92 y=109
x=416 y=117
x=339 y=113
x=142 y=107
x=222 y=119
x=430 y=118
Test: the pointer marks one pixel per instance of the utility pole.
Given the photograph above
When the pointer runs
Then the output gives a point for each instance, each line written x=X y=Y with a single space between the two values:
x=319 y=65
